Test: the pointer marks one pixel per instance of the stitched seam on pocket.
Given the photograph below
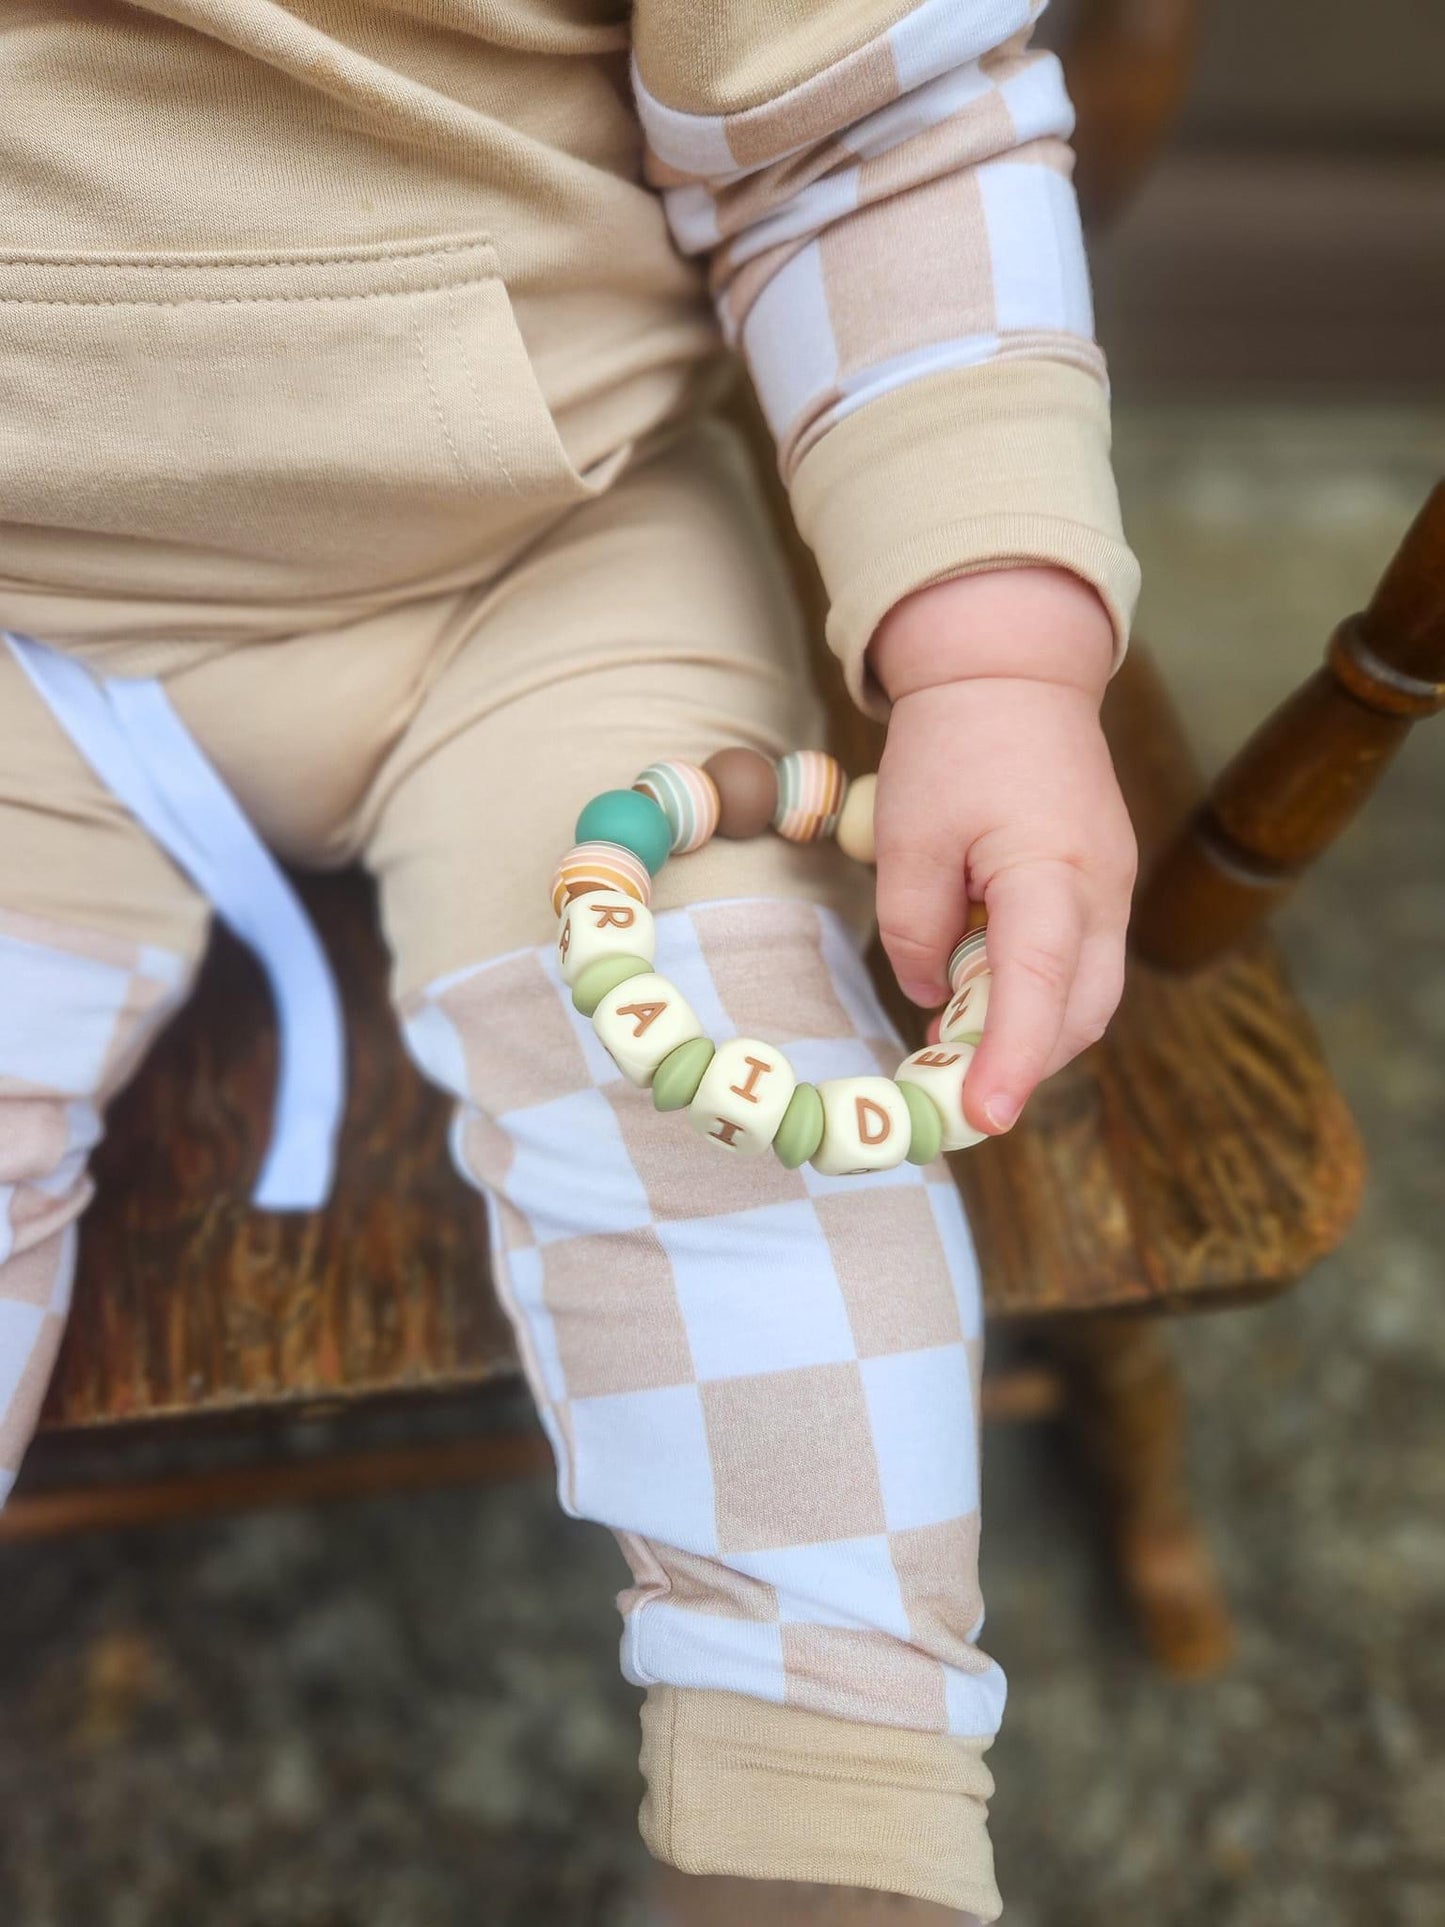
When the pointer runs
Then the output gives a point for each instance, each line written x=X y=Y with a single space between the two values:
x=465 y=359
x=473 y=486
x=209 y=263
x=251 y=300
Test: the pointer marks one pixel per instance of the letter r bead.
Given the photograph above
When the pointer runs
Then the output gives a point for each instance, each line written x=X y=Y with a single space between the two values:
x=603 y=923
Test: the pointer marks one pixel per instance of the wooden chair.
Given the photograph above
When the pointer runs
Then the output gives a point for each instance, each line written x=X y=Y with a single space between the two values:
x=1199 y=1157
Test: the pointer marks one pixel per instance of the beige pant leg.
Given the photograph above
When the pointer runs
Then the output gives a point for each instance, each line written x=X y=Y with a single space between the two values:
x=764 y=1381
x=99 y=935
x=653 y=622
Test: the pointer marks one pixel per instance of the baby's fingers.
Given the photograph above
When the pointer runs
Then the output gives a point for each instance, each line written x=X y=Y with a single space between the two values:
x=922 y=906
x=1035 y=931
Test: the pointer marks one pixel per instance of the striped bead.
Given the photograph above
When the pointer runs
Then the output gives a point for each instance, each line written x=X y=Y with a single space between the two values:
x=688 y=797
x=599 y=866
x=970 y=955
x=811 y=785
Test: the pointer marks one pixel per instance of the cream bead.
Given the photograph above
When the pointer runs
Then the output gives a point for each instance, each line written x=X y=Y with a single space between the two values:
x=866 y=1126
x=604 y=923
x=963 y=1021
x=854 y=834
x=743 y=1095
x=642 y=1021
x=939 y=1071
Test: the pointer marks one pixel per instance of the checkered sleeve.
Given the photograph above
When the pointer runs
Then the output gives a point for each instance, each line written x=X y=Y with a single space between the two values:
x=883 y=199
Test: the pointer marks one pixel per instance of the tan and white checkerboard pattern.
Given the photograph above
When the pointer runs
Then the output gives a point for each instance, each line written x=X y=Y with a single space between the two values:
x=904 y=210
x=764 y=1381
x=76 y=1010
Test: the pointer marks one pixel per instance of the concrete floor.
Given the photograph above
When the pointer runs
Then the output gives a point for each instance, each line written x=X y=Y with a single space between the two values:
x=405 y=1713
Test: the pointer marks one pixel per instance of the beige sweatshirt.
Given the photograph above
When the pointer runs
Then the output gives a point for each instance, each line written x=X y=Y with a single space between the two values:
x=876 y=193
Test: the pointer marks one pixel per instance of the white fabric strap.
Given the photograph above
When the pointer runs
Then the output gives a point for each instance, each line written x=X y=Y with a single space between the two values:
x=132 y=738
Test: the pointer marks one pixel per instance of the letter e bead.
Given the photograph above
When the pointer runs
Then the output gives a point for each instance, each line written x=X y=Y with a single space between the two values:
x=642 y=1021
x=604 y=923
x=939 y=1072
x=742 y=1096
x=866 y=1126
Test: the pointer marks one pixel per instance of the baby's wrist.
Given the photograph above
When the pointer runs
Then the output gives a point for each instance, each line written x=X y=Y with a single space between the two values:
x=1030 y=624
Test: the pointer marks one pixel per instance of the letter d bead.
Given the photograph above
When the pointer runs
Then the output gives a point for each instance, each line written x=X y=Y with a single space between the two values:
x=866 y=1126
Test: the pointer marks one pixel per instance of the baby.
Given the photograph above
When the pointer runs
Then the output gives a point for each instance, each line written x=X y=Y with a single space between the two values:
x=359 y=448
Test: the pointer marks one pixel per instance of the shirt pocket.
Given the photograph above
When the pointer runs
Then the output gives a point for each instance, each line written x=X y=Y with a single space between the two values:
x=270 y=426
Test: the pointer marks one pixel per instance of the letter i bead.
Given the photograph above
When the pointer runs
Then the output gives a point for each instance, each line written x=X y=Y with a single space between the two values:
x=742 y=1097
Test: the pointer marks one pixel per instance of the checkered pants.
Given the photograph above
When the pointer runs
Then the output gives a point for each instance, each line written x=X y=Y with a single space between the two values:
x=765 y=1382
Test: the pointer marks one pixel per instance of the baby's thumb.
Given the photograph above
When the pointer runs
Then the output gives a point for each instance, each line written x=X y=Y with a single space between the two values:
x=922 y=909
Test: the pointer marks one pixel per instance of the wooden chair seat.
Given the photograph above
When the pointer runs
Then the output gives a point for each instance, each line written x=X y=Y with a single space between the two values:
x=1199 y=1154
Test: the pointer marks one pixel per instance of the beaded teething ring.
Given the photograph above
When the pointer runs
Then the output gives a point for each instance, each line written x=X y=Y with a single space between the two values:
x=743 y=1094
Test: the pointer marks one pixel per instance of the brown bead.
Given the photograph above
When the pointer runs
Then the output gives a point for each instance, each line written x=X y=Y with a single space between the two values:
x=747 y=787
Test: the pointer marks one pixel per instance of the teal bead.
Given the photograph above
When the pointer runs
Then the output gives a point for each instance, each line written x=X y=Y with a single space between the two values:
x=632 y=819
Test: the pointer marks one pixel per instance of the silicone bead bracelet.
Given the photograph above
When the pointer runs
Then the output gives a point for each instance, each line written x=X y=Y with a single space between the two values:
x=743 y=1094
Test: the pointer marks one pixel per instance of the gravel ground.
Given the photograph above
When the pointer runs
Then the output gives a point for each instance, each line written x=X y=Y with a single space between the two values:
x=405 y=1712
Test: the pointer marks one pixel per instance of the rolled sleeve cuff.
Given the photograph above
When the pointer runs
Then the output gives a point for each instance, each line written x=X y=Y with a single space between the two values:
x=1001 y=466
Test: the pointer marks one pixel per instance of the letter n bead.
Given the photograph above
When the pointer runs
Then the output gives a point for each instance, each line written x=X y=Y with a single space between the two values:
x=939 y=1072
x=604 y=923
x=642 y=1021
x=743 y=1095
x=866 y=1126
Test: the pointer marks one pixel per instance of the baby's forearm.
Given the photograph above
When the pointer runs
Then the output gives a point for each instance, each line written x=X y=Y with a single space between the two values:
x=1041 y=625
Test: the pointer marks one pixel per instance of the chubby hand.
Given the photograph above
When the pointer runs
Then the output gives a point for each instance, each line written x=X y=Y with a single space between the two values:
x=996 y=786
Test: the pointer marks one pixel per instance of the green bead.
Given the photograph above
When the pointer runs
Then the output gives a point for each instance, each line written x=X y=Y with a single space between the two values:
x=927 y=1140
x=678 y=1075
x=801 y=1131
x=606 y=974
x=630 y=818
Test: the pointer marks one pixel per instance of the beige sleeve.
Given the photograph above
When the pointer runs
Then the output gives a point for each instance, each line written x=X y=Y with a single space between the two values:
x=882 y=194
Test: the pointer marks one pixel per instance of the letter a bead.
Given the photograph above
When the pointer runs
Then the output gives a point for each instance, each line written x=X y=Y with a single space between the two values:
x=938 y=1071
x=602 y=923
x=742 y=1097
x=866 y=1126
x=642 y=1021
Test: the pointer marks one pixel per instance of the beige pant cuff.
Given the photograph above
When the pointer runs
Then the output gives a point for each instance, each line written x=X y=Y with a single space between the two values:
x=740 y=1786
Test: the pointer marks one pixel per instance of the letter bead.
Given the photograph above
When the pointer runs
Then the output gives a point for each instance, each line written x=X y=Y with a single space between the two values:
x=963 y=1021
x=642 y=1021
x=742 y=1097
x=603 y=923
x=938 y=1071
x=866 y=1126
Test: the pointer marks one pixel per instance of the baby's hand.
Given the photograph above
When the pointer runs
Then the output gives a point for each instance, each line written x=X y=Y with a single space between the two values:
x=996 y=785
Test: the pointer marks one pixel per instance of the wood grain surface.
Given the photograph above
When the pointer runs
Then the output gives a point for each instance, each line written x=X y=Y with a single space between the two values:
x=1199 y=1155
